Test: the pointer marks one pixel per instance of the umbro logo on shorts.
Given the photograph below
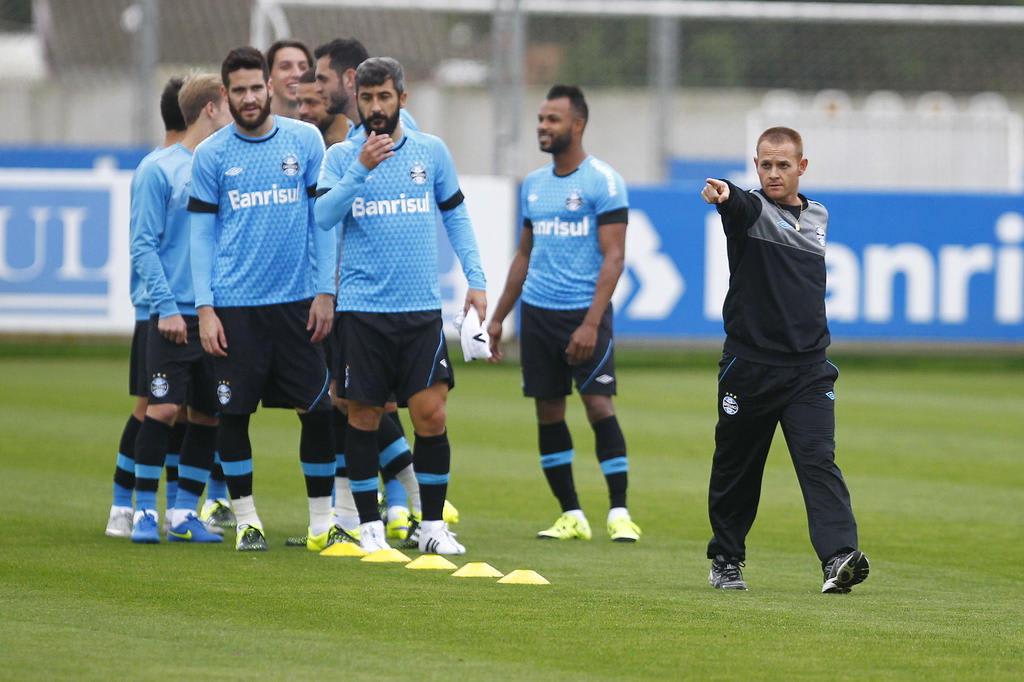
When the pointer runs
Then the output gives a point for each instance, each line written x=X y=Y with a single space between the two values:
x=831 y=395
x=604 y=379
x=444 y=363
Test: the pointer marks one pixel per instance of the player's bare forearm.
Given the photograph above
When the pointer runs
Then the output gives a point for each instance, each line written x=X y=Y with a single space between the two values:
x=607 y=279
x=612 y=240
x=513 y=287
x=516 y=276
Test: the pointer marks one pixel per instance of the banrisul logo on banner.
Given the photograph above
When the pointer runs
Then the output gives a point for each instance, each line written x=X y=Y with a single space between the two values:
x=900 y=267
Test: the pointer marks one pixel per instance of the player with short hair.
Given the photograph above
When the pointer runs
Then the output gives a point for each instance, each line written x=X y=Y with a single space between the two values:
x=336 y=66
x=264 y=301
x=387 y=193
x=288 y=60
x=313 y=105
x=774 y=368
x=570 y=256
x=119 y=522
x=179 y=371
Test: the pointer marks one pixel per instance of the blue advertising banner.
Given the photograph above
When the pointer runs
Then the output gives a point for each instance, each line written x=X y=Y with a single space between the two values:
x=900 y=267
x=63 y=247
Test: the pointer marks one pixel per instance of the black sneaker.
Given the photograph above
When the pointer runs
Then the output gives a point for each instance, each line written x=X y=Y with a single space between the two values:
x=843 y=571
x=726 y=574
x=250 y=539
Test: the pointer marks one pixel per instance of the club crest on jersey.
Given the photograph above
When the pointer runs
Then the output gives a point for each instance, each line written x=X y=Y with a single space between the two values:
x=418 y=174
x=224 y=392
x=290 y=165
x=158 y=387
x=730 y=405
x=574 y=201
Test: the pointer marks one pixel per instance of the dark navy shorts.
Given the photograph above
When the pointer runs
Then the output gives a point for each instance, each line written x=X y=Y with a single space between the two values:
x=383 y=357
x=544 y=335
x=270 y=357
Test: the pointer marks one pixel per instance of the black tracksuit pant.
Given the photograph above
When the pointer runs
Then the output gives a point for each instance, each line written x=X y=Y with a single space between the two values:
x=752 y=399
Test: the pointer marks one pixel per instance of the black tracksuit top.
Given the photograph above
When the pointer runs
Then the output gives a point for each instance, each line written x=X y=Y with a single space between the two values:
x=774 y=311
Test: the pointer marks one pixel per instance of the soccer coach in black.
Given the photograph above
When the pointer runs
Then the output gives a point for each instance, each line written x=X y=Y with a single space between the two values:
x=773 y=368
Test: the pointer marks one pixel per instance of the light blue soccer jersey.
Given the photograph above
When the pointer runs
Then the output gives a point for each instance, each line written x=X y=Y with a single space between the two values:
x=565 y=213
x=260 y=190
x=389 y=224
x=358 y=132
x=160 y=231
x=136 y=285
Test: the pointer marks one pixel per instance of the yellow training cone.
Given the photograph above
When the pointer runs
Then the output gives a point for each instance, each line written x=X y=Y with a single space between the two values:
x=344 y=549
x=477 y=569
x=428 y=562
x=386 y=556
x=523 y=577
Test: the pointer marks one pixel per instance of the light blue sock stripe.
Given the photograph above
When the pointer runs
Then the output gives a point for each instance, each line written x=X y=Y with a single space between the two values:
x=124 y=463
x=240 y=468
x=321 y=469
x=431 y=479
x=186 y=500
x=172 y=460
x=388 y=454
x=122 y=496
x=557 y=459
x=339 y=460
x=615 y=465
x=148 y=471
x=145 y=499
x=193 y=473
x=366 y=485
x=216 y=457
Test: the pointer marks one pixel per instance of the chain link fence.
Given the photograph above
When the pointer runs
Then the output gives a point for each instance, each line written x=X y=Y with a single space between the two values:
x=72 y=68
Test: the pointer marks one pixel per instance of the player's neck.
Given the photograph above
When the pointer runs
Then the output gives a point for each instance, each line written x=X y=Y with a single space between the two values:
x=569 y=160
x=173 y=137
x=196 y=133
x=791 y=200
x=262 y=130
x=338 y=130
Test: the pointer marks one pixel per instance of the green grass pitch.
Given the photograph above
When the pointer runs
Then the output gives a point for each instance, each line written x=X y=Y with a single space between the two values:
x=933 y=451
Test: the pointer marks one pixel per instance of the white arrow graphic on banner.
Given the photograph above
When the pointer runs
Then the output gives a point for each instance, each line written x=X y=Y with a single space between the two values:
x=661 y=284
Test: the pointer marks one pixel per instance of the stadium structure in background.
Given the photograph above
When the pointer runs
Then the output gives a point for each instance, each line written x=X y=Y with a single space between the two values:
x=911 y=115
x=674 y=82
